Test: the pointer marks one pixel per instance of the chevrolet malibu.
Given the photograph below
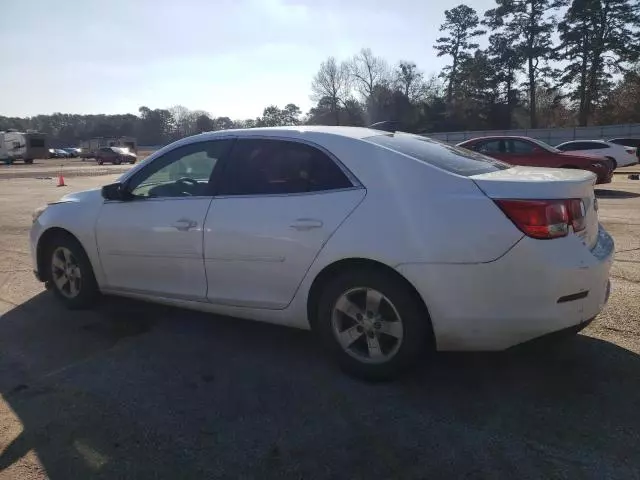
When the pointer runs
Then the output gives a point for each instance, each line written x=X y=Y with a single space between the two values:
x=386 y=245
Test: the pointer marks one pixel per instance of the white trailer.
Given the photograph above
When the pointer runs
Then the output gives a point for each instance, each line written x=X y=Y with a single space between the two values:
x=24 y=146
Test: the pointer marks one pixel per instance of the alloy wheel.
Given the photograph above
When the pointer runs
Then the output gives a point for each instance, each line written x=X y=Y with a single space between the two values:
x=367 y=325
x=65 y=272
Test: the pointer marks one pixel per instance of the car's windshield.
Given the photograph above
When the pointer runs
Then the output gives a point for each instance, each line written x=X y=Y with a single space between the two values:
x=439 y=154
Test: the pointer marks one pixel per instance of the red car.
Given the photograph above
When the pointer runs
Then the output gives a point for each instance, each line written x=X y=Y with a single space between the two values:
x=534 y=153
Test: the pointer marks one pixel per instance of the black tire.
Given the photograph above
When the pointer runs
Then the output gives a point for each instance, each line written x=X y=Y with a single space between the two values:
x=100 y=162
x=417 y=337
x=28 y=161
x=88 y=291
x=613 y=162
x=117 y=161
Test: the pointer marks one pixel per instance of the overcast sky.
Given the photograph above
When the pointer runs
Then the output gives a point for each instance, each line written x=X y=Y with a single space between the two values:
x=228 y=57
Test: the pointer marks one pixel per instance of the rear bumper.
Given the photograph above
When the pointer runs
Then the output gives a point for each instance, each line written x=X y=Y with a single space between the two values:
x=536 y=288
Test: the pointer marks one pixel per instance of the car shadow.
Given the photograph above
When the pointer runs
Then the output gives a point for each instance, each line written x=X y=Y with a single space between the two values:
x=604 y=193
x=140 y=391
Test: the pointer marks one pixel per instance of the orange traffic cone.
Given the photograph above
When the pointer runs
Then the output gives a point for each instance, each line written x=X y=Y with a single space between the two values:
x=61 y=181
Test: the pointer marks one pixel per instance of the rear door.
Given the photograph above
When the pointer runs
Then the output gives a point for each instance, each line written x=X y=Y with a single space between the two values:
x=277 y=203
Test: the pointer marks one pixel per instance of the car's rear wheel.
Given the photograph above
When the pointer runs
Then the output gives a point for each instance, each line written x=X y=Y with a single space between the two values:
x=100 y=161
x=372 y=324
x=70 y=273
x=28 y=161
x=117 y=161
x=614 y=163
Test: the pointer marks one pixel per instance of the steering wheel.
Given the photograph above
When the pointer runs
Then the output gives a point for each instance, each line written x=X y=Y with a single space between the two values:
x=188 y=181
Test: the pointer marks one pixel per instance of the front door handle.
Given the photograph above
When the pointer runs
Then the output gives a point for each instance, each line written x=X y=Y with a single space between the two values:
x=185 y=224
x=304 y=224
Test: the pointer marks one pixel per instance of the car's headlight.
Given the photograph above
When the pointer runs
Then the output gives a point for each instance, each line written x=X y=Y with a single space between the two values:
x=37 y=212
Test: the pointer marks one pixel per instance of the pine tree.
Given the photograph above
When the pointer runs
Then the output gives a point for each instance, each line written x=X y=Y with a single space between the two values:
x=462 y=25
x=599 y=38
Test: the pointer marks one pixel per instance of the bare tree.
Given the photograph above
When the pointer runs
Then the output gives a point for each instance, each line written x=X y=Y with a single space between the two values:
x=331 y=83
x=368 y=71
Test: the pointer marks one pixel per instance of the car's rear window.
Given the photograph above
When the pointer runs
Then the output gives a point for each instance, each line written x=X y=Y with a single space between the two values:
x=442 y=155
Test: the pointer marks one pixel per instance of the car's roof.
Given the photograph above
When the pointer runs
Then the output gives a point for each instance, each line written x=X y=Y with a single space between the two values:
x=584 y=140
x=297 y=131
x=498 y=137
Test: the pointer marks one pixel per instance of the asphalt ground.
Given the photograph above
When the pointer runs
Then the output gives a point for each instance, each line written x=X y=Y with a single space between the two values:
x=133 y=390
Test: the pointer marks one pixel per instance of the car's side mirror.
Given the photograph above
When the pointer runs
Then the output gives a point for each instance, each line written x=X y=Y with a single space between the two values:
x=116 y=191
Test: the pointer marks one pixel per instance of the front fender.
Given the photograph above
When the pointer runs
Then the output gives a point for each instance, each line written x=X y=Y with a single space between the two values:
x=76 y=218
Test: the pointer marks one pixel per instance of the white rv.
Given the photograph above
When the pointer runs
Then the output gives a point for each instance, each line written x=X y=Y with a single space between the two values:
x=24 y=146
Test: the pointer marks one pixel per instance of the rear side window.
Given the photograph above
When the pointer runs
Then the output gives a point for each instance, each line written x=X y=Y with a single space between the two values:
x=447 y=157
x=276 y=167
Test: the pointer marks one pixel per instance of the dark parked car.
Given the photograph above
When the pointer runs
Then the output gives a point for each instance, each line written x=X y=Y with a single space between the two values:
x=58 y=153
x=531 y=152
x=73 y=152
x=115 y=155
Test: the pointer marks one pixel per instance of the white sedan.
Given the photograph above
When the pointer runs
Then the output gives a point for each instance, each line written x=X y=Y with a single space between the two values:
x=620 y=155
x=386 y=245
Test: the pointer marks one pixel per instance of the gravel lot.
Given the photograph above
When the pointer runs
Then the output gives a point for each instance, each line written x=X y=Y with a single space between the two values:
x=139 y=391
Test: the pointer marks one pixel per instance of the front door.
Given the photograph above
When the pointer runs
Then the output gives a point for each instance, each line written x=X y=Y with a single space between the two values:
x=278 y=202
x=153 y=243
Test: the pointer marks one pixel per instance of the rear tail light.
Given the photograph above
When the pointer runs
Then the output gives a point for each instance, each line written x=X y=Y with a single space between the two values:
x=545 y=219
x=577 y=214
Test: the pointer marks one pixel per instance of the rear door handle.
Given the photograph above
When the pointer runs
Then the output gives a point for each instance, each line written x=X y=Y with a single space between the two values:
x=185 y=224
x=303 y=224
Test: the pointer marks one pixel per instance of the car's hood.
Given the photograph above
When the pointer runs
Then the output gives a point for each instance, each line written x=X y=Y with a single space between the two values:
x=93 y=195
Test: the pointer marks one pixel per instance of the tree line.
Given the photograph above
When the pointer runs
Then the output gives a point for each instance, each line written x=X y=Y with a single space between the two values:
x=546 y=63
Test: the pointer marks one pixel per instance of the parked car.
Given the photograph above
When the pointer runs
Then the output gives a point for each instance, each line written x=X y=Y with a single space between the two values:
x=73 y=152
x=620 y=155
x=386 y=245
x=58 y=153
x=115 y=155
x=628 y=142
x=532 y=152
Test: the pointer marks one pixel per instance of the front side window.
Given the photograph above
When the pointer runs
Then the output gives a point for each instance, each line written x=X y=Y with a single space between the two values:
x=183 y=172
x=519 y=147
x=276 y=167
x=574 y=146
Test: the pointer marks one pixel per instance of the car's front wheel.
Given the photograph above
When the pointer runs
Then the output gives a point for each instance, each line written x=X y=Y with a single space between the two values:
x=372 y=324
x=70 y=273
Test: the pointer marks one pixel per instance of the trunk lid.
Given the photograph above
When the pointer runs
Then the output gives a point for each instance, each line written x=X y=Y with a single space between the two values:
x=535 y=183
